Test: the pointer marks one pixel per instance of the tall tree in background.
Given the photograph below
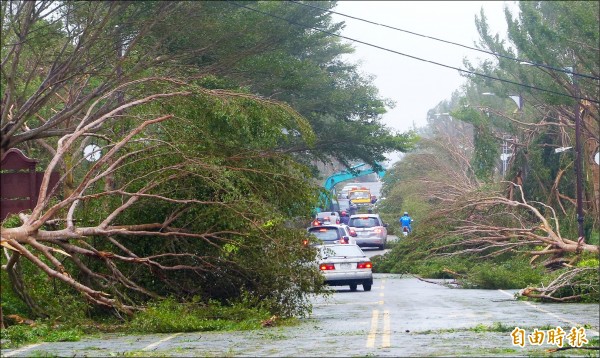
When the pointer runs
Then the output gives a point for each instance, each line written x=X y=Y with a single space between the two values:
x=564 y=36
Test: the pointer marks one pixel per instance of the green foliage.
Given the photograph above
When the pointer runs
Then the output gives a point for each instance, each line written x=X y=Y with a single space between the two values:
x=495 y=327
x=17 y=335
x=11 y=221
x=498 y=274
x=592 y=262
x=59 y=299
x=509 y=274
x=486 y=145
x=223 y=152
x=171 y=316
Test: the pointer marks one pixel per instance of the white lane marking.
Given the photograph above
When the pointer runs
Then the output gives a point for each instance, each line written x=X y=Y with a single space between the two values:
x=156 y=344
x=373 y=332
x=574 y=324
x=21 y=350
x=385 y=340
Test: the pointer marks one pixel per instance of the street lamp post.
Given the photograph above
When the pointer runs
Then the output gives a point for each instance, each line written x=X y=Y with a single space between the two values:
x=518 y=99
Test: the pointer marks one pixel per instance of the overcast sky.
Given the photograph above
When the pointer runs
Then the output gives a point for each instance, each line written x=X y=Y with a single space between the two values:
x=414 y=85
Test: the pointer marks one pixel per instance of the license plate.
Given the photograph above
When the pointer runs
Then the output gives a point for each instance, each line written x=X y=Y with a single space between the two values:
x=345 y=266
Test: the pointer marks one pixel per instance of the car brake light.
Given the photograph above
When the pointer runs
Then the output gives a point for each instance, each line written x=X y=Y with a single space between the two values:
x=378 y=231
x=326 y=267
x=364 y=265
x=305 y=242
x=322 y=230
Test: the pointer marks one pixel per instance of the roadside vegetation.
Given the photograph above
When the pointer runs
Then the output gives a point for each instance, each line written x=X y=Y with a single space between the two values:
x=484 y=220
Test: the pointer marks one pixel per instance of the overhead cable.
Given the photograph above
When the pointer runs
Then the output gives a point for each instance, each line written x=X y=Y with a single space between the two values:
x=564 y=70
x=415 y=57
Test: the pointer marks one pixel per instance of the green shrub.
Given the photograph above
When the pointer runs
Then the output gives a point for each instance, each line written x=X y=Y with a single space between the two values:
x=591 y=262
x=56 y=297
x=171 y=316
x=495 y=327
x=14 y=336
x=513 y=273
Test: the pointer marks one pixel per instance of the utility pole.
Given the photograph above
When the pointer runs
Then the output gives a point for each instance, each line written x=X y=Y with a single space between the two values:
x=578 y=164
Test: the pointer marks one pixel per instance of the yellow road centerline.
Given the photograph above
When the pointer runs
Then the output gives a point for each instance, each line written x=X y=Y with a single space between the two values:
x=373 y=331
x=385 y=340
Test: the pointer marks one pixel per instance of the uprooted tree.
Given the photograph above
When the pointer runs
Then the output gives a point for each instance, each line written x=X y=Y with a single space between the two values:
x=197 y=178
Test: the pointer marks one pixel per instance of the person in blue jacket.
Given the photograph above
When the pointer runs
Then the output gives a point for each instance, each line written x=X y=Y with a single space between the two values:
x=405 y=221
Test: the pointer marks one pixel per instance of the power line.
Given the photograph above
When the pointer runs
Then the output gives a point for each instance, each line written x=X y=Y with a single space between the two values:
x=450 y=42
x=415 y=57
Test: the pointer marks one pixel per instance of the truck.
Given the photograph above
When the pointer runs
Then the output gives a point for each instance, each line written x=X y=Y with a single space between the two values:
x=361 y=197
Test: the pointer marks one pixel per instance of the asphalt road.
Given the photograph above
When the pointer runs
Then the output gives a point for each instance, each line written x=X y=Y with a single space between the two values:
x=401 y=316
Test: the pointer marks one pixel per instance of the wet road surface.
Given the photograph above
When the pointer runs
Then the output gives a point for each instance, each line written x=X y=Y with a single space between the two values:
x=401 y=316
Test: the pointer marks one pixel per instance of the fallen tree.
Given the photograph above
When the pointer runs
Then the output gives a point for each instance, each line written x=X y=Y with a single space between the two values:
x=166 y=172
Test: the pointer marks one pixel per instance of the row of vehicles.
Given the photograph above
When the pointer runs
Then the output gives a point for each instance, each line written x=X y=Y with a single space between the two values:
x=340 y=257
x=367 y=230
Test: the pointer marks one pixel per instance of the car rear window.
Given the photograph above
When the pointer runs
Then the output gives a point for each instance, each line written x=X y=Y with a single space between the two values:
x=341 y=250
x=328 y=216
x=325 y=234
x=364 y=222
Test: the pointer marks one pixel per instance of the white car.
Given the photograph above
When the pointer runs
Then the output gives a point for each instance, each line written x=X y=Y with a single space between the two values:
x=343 y=265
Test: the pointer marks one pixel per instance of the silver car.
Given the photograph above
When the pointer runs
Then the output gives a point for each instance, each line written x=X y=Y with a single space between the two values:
x=343 y=265
x=370 y=230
